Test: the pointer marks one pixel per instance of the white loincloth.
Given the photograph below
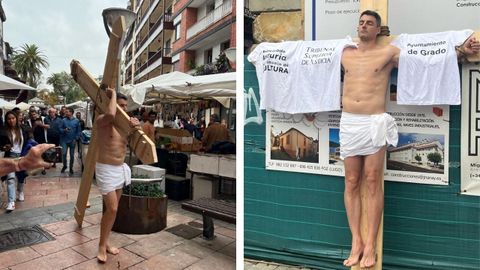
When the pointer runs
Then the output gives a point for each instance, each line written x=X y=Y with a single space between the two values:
x=112 y=177
x=362 y=134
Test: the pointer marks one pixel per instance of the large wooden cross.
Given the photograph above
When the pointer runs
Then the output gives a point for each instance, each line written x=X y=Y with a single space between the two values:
x=381 y=7
x=139 y=143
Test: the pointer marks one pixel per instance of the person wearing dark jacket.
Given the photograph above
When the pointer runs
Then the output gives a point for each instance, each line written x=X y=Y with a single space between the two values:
x=54 y=122
x=215 y=132
x=69 y=132
x=12 y=141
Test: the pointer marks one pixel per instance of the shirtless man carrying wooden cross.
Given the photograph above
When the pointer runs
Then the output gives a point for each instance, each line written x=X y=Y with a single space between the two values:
x=111 y=171
x=367 y=71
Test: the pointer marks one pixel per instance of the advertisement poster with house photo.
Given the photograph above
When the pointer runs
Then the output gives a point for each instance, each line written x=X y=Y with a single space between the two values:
x=421 y=155
x=303 y=143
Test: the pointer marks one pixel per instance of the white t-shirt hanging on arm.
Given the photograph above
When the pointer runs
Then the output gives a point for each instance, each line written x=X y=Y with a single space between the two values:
x=273 y=65
x=428 y=68
x=299 y=76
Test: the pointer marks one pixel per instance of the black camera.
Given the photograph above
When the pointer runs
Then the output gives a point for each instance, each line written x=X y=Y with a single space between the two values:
x=53 y=155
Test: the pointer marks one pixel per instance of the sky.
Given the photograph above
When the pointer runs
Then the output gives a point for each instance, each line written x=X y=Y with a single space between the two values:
x=406 y=138
x=63 y=30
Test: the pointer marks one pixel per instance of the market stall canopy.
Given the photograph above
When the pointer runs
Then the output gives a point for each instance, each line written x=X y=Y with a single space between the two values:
x=6 y=105
x=77 y=105
x=7 y=83
x=176 y=86
x=23 y=106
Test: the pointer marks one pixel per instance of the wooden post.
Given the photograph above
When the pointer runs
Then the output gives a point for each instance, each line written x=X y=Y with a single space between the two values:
x=143 y=147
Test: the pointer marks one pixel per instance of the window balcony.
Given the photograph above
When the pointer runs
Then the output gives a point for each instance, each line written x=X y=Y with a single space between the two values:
x=153 y=62
x=211 y=18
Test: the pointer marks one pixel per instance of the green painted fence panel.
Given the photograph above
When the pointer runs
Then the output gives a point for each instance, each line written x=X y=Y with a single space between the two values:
x=300 y=219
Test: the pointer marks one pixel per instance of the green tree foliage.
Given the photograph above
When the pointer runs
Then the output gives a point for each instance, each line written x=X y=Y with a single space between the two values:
x=219 y=66
x=434 y=157
x=418 y=158
x=28 y=61
x=64 y=85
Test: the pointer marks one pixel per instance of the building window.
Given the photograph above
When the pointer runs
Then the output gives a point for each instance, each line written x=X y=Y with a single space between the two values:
x=224 y=45
x=208 y=56
x=168 y=47
x=210 y=6
x=176 y=66
x=177 y=31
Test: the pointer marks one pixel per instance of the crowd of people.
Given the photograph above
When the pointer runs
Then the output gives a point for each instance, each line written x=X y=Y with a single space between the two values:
x=20 y=131
x=215 y=132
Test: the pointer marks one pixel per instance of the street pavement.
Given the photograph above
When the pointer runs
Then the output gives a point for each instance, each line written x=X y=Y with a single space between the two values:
x=49 y=201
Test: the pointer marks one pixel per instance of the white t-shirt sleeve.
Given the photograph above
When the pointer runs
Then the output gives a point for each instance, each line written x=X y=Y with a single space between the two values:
x=253 y=56
x=459 y=37
x=398 y=42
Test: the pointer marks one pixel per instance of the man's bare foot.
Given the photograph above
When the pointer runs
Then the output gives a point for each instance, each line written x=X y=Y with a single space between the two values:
x=112 y=250
x=355 y=255
x=369 y=258
x=102 y=255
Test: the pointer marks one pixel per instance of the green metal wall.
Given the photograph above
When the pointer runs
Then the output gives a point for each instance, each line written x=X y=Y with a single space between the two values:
x=300 y=219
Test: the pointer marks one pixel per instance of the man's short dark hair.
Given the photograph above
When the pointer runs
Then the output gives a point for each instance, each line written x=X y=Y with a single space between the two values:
x=214 y=118
x=121 y=96
x=374 y=14
x=70 y=110
x=152 y=113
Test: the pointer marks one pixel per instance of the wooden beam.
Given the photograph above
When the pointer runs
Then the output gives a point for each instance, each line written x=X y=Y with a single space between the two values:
x=379 y=6
x=110 y=72
x=141 y=144
x=87 y=176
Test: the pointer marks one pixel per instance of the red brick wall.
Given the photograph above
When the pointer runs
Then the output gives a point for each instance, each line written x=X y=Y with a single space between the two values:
x=186 y=57
x=233 y=35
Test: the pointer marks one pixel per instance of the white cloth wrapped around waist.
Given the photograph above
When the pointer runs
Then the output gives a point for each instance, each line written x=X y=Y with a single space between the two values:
x=362 y=134
x=112 y=177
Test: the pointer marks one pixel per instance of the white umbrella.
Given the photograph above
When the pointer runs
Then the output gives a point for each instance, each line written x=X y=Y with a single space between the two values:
x=7 y=83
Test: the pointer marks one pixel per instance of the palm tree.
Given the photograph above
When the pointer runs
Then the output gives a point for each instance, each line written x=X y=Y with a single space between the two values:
x=28 y=61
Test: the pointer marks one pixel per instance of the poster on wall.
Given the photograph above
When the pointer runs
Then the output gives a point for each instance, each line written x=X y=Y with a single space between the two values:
x=306 y=143
x=331 y=19
x=470 y=132
x=310 y=143
x=417 y=22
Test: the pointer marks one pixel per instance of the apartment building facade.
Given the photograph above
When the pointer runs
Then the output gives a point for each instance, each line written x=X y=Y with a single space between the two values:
x=176 y=35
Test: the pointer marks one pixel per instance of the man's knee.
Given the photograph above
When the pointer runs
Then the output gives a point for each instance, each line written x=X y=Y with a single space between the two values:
x=352 y=182
x=372 y=178
x=111 y=208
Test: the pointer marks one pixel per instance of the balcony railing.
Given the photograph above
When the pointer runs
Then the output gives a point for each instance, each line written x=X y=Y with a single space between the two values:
x=211 y=18
x=153 y=57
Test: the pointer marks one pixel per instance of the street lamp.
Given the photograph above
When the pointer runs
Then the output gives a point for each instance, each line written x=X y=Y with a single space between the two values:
x=61 y=100
x=111 y=15
x=63 y=89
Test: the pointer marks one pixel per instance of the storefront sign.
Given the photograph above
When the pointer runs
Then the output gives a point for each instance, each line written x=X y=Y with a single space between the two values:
x=470 y=143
